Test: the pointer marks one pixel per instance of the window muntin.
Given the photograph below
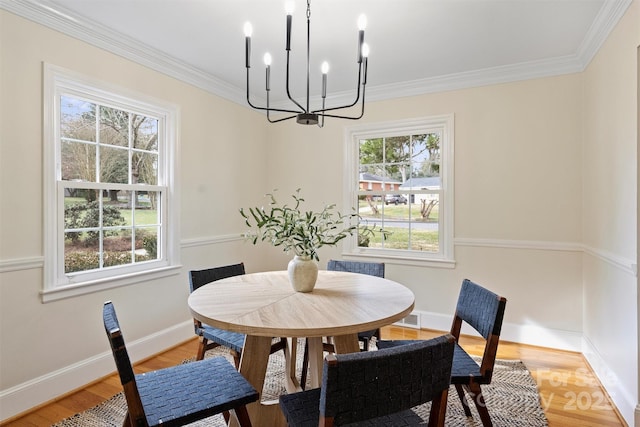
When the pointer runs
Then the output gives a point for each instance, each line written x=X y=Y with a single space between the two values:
x=110 y=168
x=400 y=177
x=107 y=227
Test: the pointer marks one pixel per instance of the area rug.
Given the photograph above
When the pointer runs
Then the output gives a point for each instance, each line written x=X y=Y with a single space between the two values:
x=512 y=398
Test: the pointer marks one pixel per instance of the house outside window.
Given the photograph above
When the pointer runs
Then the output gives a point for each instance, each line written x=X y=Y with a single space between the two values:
x=110 y=181
x=400 y=182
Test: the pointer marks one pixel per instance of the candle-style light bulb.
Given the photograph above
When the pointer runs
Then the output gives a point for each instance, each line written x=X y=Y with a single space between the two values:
x=267 y=62
x=248 y=30
x=288 y=7
x=362 y=24
x=325 y=69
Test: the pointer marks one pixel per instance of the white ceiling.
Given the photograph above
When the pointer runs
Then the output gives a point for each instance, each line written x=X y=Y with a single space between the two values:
x=417 y=46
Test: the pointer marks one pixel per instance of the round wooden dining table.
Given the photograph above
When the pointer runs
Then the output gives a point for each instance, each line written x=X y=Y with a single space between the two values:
x=264 y=305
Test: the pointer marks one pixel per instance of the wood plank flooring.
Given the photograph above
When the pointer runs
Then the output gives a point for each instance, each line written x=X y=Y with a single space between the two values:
x=569 y=392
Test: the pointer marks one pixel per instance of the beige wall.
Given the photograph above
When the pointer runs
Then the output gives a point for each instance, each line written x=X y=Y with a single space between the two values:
x=523 y=209
x=517 y=181
x=48 y=349
x=609 y=132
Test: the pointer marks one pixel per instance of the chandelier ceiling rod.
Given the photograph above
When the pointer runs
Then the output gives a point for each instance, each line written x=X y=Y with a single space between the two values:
x=304 y=115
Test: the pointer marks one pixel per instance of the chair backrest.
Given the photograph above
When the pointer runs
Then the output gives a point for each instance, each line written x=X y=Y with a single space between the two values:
x=484 y=311
x=198 y=278
x=123 y=364
x=362 y=267
x=365 y=385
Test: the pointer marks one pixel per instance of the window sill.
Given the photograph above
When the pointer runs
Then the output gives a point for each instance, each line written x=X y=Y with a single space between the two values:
x=401 y=260
x=77 y=289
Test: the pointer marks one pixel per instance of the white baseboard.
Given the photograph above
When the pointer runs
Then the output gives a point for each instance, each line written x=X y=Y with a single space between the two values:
x=622 y=398
x=523 y=334
x=30 y=394
x=21 y=398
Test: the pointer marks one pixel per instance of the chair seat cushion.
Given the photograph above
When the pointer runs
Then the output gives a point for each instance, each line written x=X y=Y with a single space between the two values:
x=232 y=340
x=464 y=367
x=187 y=393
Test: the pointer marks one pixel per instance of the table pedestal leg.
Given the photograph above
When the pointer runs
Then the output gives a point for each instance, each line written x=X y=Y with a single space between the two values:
x=253 y=366
x=314 y=344
x=292 y=384
x=346 y=343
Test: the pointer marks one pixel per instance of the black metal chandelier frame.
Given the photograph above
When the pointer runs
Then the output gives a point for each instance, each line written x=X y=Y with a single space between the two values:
x=303 y=114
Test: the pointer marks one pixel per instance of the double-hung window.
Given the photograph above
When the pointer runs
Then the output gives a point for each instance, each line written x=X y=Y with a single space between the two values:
x=400 y=182
x=110 y=179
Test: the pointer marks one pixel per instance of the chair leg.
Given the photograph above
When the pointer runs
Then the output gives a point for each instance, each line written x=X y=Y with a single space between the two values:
x=365 y=344
x=236 y=359
x=438 y=409
x=242 y=416
x=481 y=406
x=202 y=348
x=305 y=366
x=463 y=400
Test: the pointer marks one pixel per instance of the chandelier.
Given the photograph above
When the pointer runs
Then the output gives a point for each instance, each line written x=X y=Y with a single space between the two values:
x=303 y=113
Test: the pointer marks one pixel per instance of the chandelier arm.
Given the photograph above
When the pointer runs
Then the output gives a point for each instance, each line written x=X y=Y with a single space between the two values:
x=289 y=93
x=267 y=108
x=336 y=116
x=321 y=121
x=357 y=95
x=280 y=120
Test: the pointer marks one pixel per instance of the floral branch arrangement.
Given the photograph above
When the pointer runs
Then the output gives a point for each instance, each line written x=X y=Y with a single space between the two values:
x=296 y=230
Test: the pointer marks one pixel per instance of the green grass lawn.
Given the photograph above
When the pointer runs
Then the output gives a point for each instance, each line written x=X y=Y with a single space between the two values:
x=397 y=239
x=143 y=216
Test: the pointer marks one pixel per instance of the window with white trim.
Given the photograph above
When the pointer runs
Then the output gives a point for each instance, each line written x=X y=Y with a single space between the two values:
x=400 y=182
x=110 y=180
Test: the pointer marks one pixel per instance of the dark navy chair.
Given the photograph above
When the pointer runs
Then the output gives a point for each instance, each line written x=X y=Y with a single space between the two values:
x=211 y=337
x=484 y=311
x=370 y=268
x=362 y=267
x=381 y=386
x=180 y=394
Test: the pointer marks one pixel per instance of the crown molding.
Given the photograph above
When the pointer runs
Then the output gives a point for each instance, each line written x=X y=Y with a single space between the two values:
x=65 y=21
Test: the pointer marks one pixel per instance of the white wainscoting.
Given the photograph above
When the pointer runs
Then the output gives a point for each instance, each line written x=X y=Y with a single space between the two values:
x=45 y=388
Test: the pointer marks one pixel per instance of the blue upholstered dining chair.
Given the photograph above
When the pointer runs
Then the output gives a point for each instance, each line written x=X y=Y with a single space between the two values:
x=484 y=311
x=211 y=337
x=180 y=394
x=362 y=267
x=381 y=386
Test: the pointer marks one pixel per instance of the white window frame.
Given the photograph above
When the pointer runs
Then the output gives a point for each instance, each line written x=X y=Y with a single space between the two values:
x=352 y=135
x=57 y=285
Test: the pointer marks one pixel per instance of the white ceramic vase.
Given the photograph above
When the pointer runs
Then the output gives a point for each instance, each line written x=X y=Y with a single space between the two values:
x=303 y=273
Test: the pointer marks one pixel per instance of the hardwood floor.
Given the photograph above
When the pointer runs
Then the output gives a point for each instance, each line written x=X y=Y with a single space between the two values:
x=569 y=392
